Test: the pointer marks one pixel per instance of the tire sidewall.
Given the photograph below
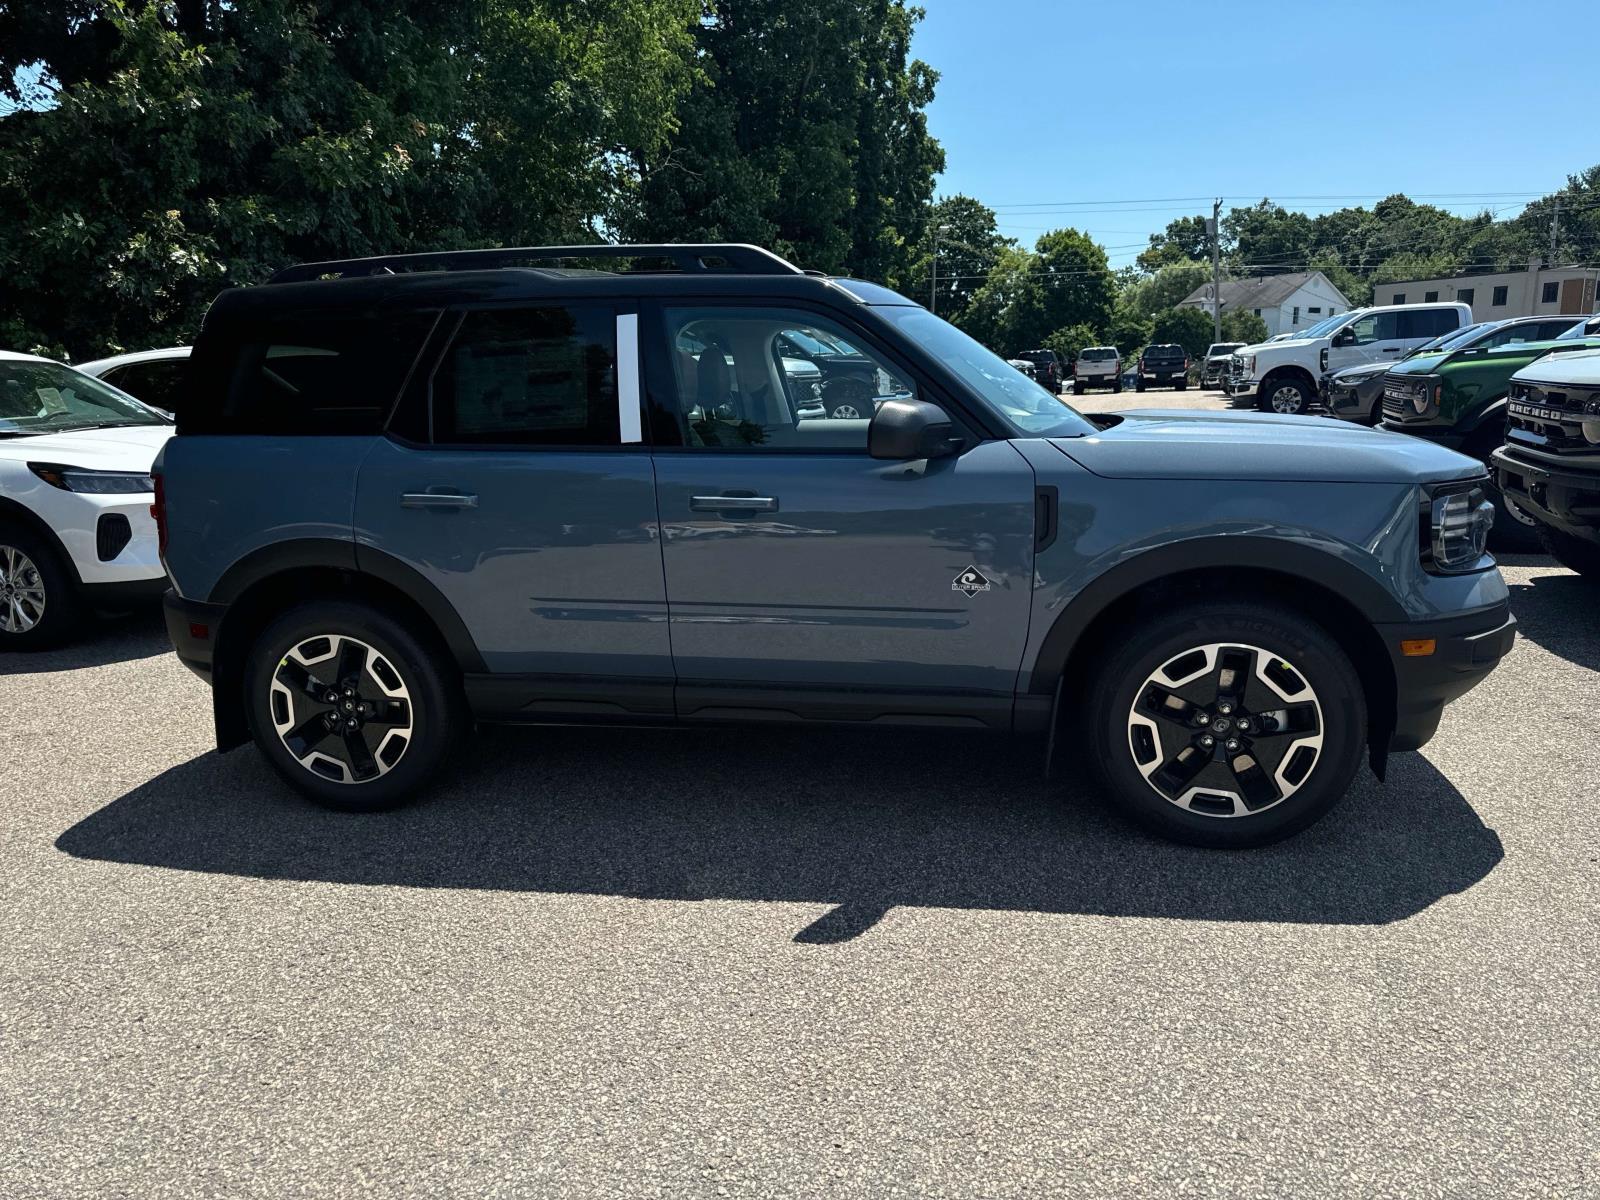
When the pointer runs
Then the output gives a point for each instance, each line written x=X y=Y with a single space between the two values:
x=436 y=707
x=1305 y=645
x=1277 y=385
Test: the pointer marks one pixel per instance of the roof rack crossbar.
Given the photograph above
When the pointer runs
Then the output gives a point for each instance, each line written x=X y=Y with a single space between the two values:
x=690 y=258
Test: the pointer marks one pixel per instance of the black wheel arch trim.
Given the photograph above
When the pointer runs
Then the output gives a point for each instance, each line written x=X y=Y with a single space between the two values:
x=302 y=553
x=1292 y=559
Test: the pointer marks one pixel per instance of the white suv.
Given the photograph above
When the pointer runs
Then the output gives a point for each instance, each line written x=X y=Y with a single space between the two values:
x=1097 y=366
x=75 y=495
x=1287 y=376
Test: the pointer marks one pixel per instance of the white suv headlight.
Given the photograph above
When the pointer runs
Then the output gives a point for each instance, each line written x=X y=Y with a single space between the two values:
x=99 y=483
x=1458 y=527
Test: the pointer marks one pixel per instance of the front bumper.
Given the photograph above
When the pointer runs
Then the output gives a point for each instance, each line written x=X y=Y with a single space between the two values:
x=192 y=626
x=1465 y=650
x=1566 y=499
x=1353 y=402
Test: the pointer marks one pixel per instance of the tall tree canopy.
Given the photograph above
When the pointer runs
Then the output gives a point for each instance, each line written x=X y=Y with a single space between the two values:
x=806 y=133
x=968 y=244
x=151 y=153
x=1030 y=297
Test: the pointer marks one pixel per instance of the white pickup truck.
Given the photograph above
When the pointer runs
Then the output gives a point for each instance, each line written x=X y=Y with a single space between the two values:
x=1287 y=376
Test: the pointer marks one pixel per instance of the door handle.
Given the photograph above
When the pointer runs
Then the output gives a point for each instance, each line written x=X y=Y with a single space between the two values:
x=729 y=502
x=445 y=501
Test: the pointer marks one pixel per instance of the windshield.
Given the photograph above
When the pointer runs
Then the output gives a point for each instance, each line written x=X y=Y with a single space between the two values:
x=1323 y=327
x=1027 y=406
x=46 y=397
x=1456 y=338
x=1224 y=348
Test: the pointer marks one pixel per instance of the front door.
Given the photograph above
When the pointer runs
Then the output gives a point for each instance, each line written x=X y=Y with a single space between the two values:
x=807 y=579
x=527 y=498
x=1373 y=338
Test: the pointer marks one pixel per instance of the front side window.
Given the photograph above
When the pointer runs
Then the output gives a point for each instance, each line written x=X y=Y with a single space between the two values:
x=774 y=379
x=46 y=397
x=539 y=376
x=1375 y=327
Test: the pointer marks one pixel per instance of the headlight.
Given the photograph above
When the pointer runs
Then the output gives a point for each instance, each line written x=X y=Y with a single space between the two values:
x=98 y=483
x=1421 y=401
x=1457 y=524
x=1247 y=362
x=1350 y=378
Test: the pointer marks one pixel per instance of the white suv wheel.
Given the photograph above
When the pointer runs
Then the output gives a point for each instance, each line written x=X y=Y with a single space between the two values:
x=22 y=595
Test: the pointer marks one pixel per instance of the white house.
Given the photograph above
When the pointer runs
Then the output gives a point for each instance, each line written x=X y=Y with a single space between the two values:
x=1531 y=292
x=1288 y=302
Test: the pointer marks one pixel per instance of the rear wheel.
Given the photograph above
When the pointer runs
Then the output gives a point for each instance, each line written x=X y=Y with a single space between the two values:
x=1077 y=388
x=1117 y=385
x=1285 y=396
x=1227 y=725
x=39 y=601
x=1138 y=385
x=1181 y=385
x=350 y=706
x=1571 y=552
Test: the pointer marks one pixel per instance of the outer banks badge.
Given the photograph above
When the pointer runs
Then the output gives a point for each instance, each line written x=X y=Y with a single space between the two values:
x=971 y=582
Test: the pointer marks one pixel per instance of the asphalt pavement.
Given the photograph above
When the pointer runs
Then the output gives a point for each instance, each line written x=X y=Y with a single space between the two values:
x=779 y=963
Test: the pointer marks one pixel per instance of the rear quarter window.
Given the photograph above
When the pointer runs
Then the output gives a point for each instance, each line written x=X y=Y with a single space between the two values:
x=322 y=373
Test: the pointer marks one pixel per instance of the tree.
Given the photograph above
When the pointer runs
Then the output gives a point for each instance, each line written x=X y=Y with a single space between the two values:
x=1242 y=325
x=1067 y=342
x=1128 y=330
x=1268 y=238
x=1166 y=287
x=806 y=133
x=969 y=247
x=171 y=149
x=1184 y=240
x=1027 y=297
x=1188 y=327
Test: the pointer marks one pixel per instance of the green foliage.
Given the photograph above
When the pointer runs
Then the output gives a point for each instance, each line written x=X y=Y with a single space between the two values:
x=807 y=134
x=1072 y=339
x=1029 y=296
x=969 y=248
x=180 y=148
x=1165 y=288
x=1185 y=240
x=1242 y=325
x=1128 y=330
x=1188 y=327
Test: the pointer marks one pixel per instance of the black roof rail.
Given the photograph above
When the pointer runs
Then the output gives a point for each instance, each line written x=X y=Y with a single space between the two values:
x=690 y=258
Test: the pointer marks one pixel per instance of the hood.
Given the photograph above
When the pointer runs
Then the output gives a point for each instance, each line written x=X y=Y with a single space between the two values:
x=1579 y=368
x=1225 y=446
x=130 y=448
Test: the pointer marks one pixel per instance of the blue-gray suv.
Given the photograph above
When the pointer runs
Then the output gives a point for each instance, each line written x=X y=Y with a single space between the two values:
x=593 y=484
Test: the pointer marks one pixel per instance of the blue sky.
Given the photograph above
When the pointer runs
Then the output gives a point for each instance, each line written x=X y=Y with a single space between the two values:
x=1482 y=104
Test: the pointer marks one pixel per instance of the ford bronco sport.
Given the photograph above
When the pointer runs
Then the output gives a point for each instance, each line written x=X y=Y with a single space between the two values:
x=414 y=492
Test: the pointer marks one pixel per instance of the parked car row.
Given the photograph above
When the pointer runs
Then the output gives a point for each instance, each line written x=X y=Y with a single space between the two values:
x=1428 y=371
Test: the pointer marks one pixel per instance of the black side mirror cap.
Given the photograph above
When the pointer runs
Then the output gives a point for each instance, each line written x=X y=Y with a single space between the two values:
x=906 y=429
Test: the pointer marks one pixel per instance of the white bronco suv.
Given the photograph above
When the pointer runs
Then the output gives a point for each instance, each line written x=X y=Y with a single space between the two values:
x=1288 y=376
x=75 y=496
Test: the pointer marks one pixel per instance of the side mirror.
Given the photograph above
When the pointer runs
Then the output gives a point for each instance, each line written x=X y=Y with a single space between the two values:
x=1345 y=337
x=903 y=429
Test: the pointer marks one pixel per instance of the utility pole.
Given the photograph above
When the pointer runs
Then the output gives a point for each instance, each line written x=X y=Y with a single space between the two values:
x=933 y=286
x=1555 y=229
x=1215 y=230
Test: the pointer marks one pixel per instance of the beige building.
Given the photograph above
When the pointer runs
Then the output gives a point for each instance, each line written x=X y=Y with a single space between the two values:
x=1534 y=291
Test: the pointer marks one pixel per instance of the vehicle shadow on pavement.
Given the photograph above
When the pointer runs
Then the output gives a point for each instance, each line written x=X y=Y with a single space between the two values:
x=1560 y=612
x=861 y=820
x=122 y=637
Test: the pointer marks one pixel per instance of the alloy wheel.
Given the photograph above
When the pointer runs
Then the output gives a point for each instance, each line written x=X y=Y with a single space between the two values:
x=1226 y=730
x=1287 y=400
x=341 y=708
x=22 y=597
x=845 y=411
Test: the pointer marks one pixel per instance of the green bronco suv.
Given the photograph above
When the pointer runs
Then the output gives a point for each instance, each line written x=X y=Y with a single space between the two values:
x=1457 y=397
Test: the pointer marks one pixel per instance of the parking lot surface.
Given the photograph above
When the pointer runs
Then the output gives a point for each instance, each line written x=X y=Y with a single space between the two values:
x=789 y=963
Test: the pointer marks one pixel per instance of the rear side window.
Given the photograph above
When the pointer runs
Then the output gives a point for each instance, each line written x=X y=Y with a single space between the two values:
x=327 y=373
x=539 y=376
x=1427 y=322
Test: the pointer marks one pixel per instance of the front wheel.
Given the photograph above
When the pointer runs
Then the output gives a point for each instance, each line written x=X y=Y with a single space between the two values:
x=1571 y=552
x=1285 y=396
x=350 y=706
x=39 y=602
x=1227 y=725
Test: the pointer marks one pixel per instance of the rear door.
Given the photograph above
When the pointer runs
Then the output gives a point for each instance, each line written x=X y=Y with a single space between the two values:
x=806 y=579
x=516 y=481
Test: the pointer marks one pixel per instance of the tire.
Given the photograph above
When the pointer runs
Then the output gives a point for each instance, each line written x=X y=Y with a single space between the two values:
x=40 y=604
x=1139 y=386
x=1288 y=396
x=398 y=676
x=1571 y=552
x=1181 y=387
x=1117 y=386
x=1318 y=694
x=1077 y=389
